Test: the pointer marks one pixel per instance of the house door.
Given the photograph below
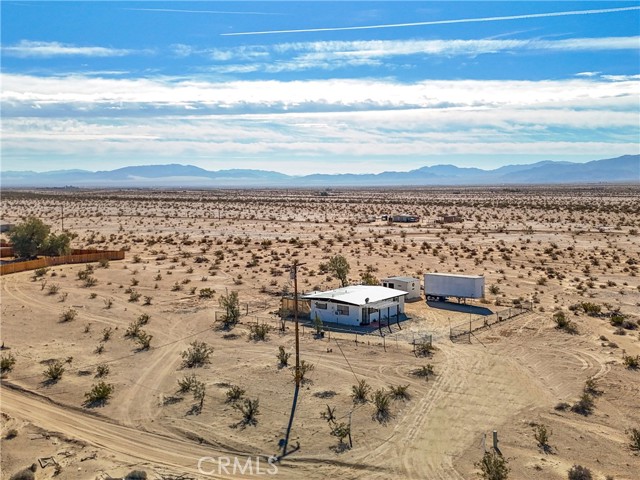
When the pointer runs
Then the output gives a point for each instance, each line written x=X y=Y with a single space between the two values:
x=365 y=316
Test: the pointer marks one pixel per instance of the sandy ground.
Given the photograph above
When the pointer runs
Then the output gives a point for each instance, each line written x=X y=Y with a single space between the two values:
x=583 y=242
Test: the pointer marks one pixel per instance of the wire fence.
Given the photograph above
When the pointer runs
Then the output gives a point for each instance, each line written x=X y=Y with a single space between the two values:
x=463 y=331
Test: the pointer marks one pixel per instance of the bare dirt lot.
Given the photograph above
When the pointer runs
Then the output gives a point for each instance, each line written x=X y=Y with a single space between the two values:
x=574 y=250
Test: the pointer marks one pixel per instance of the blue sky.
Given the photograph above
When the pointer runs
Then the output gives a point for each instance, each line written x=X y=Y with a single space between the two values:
x=303 y=87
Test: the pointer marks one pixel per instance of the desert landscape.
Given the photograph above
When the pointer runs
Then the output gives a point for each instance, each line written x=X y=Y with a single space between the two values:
x=116 y=367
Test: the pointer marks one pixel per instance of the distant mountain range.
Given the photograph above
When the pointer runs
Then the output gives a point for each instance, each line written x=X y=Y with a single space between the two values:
x=621 y=169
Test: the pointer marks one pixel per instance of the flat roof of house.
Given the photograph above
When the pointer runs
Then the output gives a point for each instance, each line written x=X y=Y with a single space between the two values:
x=357 y=294
x=402 y=279
x=454 y=275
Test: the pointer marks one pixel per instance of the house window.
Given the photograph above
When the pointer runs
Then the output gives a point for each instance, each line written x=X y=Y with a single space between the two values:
x=395 y=299
x=321 y=306
x=342 y=310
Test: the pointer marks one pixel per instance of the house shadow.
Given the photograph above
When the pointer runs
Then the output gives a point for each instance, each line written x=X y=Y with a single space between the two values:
x=461 y=307
x=373 y=327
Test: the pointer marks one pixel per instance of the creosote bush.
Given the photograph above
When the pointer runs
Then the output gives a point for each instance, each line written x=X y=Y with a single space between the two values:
x=584 y=406
x=542 y=434
x=250 y=409
x=259 y=331
x=7 y=362
x=578 y=472
x=493 y=466
x=68 y=315
x=197 y=355
x=305 y=368
x=634 y=436
x=234 y=394
x=54 y=371
x=99 y=394
x=283 y=357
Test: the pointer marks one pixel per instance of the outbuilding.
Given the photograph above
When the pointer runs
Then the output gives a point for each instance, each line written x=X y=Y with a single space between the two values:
x=405 y=218
x=357 y=304
x=408 y=284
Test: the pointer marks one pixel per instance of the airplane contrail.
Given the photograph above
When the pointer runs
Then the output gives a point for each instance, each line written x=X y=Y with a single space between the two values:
x=176 y=10
x=440 y=22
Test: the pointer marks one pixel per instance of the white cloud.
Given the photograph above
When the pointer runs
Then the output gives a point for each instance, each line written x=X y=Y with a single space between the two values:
x=27 y=48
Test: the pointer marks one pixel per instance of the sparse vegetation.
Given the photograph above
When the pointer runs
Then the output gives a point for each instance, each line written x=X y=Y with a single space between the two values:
x=197 y=355
x=578 y=472
x=7 y=362
x=360 y=392
x=283 y=357
x=250 y=409
x=99 y=394
x=54 y=371
x=493 y=466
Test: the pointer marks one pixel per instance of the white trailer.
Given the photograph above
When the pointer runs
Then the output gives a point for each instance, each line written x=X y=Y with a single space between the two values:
x=439 y=286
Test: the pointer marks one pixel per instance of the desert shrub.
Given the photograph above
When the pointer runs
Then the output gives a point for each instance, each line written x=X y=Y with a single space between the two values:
x=494 y=289
x=108 y=303
x=424 y=349
x=329 y=414
x=563 y=323
x=143 y=319
x=136 y=475
x=99 y=394
x=591 y=309
x=143 y=339
x=231 y=305
x=7 y=362
x=259 y=331
x=360 y=392
x=493 y=466
x=24 y=474
x=631 y=362
x=591 y=387
x=147 y=300
x=102 y=370
x=11 y=433
x=399 y=392
x=54 y=371
x=380 y=399
x=305 y=368
x=206 y=293
x=68 y=315
x=634 y=436
x=340 y=430
x=578 y=472
x=137 y=259
x=106 y=334
x=234 y=394
x=90 y=281
x=584 y=406
x=250 y=409
x=103 y=263
x=425 y=371
x=132 y=330
x=187 y=383
x=283 y=356
x=53 y=289
x=542 y=434
x=562 y=406
x=134 y=296
x=197 y=355
x=40 y=272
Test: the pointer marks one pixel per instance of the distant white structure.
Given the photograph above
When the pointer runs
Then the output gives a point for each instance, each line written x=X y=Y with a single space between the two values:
x=439 y=286
x=356 y=305
x=408 y=284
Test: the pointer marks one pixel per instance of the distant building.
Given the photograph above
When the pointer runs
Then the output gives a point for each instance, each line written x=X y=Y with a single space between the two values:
x=450 y=219
x=356 y=305
x=5 y=227
x=404 y=218
x=408 y=284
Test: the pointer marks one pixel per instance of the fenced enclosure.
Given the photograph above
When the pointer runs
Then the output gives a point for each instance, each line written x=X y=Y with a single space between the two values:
x=463 y=331
x=77 y=256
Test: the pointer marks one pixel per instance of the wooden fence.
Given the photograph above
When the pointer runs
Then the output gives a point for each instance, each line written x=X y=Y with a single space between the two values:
x=77 y=256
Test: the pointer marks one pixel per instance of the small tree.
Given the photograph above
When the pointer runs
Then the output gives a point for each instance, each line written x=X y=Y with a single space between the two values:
x=339 y=266
x=493 y=466
x=197 y=355
x=56 y=244
x=231 y=305
x=28 y=237
x=317 y=324
x=542 y=434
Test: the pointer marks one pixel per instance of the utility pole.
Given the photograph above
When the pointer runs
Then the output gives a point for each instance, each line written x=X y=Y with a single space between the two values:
x=294 y=276
x=62 y=208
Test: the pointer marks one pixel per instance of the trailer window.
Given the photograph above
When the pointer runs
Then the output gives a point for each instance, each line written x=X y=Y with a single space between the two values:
x=321 y=306
x=342 y=310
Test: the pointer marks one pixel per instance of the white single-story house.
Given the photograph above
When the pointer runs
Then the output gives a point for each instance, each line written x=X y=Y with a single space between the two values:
x=408 y=284
x=357 y=304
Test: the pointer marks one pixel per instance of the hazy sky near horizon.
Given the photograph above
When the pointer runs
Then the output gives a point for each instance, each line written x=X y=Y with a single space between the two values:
x=306 y=87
